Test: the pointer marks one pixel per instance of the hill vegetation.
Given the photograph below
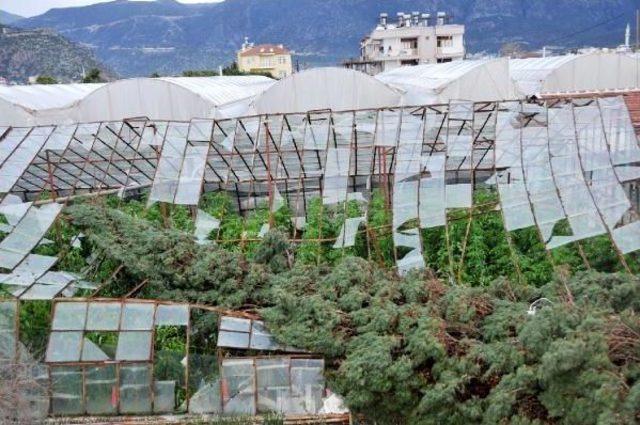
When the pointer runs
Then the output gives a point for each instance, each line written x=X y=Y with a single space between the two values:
x=25 y=53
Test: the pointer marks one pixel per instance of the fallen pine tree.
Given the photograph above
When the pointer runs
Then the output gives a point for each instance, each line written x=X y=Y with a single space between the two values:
x=412 y=350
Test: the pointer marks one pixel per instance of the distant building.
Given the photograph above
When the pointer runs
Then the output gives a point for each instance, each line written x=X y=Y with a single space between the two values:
x=412 y=40
x=265 y=58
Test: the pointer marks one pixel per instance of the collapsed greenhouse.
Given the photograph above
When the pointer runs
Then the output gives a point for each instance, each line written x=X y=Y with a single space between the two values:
x=403 y=186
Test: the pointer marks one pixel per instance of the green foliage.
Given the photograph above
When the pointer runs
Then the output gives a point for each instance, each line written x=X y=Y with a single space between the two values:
x=93 y=76
x=227 y=70
x=413 y=350
x=46 y=79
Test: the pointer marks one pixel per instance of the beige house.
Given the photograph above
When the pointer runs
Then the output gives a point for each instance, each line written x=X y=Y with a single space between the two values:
x=273 y=59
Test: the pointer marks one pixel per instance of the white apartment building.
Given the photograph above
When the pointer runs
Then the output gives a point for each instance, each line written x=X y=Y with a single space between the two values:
x=411 y=40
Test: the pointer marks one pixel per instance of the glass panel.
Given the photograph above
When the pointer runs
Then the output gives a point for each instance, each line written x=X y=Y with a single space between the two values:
x=135 y=391
x=238 y=386
x=103 y=316
x=137 y=316
x=307 y=384
x=66 y=391
x=69 y=316
x=134 y=346
x=64 y=346
x=233 y=339
x=272 y=381
x=101 y=390
x=164 y=399
x=235 y=324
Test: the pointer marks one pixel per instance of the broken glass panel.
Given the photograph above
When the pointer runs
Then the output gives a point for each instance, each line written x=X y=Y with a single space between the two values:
x=307 y=384
x=206 y=399
x=238 y=384
x=135 y=389
x=20 y=158
x=8 y=312
x=133 y=346
x=627 y=237
x=172 y=315
x=336 y=175
x=164 y=398
x=272 y=381
x=91 y=352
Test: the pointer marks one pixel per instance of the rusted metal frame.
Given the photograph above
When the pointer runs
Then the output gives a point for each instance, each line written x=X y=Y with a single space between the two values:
x=25 y=180
x=5 y=133
x=129 y=146
x=226 y=163
x=473 y=185
x=515 y=259
x=251 y=199
x=225 y=182
x=321 y=180
x=439 y=132
x=82 y=169
x=94 y=163
x=267 y=137
x=110 y=160
x=137 y=154
x=446 y=212
x=301 y=173
x=107 y=281
x=51 y=171
x=581 y=252
x=392 y=167
x=57 y=167
x=110 y=163
x=256 y=149
x=277 y=146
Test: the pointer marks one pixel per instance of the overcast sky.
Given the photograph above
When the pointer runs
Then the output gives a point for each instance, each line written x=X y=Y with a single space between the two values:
x=37 y=7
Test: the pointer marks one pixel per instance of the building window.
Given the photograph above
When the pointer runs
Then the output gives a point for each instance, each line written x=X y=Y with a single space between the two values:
x=282 y=60
x=443 y=60
x=410 y=62
x=409 y=43
x=445 y=41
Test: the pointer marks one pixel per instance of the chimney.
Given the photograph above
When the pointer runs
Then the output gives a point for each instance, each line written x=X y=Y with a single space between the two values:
x=383 y=20
x=415 y=18
x=400 y=16
x=425 y=18
x=442 y=18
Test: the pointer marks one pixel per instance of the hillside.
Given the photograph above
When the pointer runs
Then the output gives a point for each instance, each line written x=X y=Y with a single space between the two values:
x=42 y=52
x=8 y=18
x=139 y=38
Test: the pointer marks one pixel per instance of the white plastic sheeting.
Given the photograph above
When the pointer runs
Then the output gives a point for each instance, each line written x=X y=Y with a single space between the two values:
x=475 y=80
x=40 y=104
x=337 y=89
x=574 y=73
x=171 y=98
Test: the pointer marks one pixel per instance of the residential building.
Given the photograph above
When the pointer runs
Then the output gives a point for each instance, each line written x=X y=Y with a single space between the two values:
x=265 y=58
x=412 y=40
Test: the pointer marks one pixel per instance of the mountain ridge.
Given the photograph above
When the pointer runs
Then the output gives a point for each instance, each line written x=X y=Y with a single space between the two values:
x=139 y=38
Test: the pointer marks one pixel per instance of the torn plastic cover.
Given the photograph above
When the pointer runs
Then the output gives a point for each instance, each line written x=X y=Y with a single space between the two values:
x=19 y=158
x=27 y=234
x=165 y=182
x=348 y=232
x=579 y=208
x=336 y=175
x=205 y=224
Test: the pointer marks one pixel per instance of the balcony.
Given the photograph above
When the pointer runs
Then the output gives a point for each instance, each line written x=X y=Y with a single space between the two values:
x=450 y=51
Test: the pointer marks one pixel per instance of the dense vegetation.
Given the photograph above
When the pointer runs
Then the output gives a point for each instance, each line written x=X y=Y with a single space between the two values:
x=456 y=344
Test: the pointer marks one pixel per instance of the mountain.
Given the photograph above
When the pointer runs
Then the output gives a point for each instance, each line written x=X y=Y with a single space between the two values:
x=7 y=18
x=25 y=53
x=139 y=38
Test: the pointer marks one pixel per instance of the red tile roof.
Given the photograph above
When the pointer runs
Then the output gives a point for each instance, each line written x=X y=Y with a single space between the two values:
x=265 y=49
